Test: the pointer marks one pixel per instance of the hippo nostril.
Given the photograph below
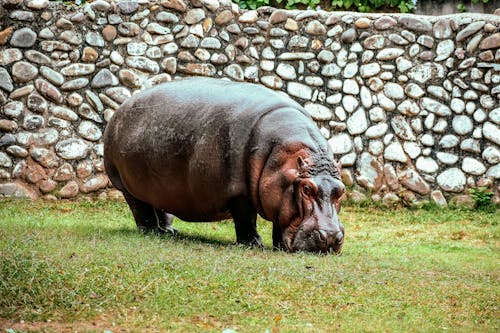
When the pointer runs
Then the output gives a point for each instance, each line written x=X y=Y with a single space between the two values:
x=339 y=237
x=323 y=235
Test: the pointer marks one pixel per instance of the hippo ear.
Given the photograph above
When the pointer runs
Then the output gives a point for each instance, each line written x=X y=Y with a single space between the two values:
x=301 y=164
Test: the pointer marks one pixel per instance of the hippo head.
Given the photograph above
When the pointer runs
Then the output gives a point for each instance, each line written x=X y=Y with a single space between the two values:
x=305 y=209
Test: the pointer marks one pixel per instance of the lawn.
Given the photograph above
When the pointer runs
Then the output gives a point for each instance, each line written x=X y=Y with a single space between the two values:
x=81 y=266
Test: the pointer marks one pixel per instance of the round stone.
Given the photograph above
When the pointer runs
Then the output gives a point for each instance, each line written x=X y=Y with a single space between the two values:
x=24 y=37
x=452 y=180
x=72 y=149
x=24 y=71
x=462 y=125
x=426 y=164
x=341 y=143
x=472 y=166
x=318 y=112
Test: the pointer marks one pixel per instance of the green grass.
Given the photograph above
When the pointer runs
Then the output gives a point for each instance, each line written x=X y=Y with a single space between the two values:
x=82 y=266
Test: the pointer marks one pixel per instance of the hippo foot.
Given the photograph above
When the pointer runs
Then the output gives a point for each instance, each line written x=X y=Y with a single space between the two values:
x=255 y=242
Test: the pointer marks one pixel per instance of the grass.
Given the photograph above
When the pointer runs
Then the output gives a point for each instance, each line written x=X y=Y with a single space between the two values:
x=81 y=266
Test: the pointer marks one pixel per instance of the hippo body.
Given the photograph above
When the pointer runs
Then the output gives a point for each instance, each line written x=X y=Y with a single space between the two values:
x=204 y=149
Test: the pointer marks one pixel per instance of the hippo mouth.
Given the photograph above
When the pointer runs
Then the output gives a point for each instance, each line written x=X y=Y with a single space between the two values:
x=315 y=241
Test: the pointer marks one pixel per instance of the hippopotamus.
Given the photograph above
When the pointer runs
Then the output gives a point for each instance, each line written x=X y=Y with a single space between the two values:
x=206 y=149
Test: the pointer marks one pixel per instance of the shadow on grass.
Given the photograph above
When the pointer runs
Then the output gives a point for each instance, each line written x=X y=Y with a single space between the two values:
x=180 y=236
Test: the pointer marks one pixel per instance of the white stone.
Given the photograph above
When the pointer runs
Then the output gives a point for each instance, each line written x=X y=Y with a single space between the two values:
x=409 y=108
x=340 y=113
x=447 y=158
x=376 y=131
x=350 y=87
x=449 y=141
x=480 y=116
x=72 y=149
x=412 y=149
x=472 y=166
x=395 y=152
x=444 y=49
x=451 y=180
x=286 y=71
x=318 y=111
x=350 y=103
x=366 y=97
x=386 y=103
x=299 y=90
x=376 y=147
x=389 y=53
x=426 y=164
x=494 y=116
x=427 y=140
x=357 y=122
x=249 y=16
x=491 y=154
x=340 y=143
x=414 y=91
x=348 y=159
x=368 y=168
x=462 y=125
x=436 y=107
x=350 y=70
x=377 y=114
x=402 y=129
x=394 y=90
x=491 y=132
x=494 y=172
x=369 y=70
x=457 y=105
x=441 y=126
x=403 y=64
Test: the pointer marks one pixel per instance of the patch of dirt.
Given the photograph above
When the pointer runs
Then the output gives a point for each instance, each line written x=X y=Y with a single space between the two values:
x=100 y=324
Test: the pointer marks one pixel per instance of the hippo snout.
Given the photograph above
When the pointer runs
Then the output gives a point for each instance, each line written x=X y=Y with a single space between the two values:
x=319 y=240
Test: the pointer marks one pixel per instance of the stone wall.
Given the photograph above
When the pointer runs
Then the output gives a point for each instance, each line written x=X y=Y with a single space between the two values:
x=409 y=104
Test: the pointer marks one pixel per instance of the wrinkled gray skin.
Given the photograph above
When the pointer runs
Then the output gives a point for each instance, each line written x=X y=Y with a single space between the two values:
x=204 y=149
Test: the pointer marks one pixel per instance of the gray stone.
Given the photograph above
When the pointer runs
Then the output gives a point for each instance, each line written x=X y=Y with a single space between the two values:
x=416 y=23
x=48 y=90
x=9 y=56
x=235 y=72
x=211 y=43
x=449 y=141
x=469 y=30
x=143 y=64
x=78 y=69
x=5 y=80
x=24 y=71
x=24 y=37
x=350 y=87
x=104 y=78
x=75 y=84
x=51 y=75
x=374 y=42
x=472 y=166
x=94 y=38
x=409 y=108
x=452 y=180
x=350 y=103
x=494 y=172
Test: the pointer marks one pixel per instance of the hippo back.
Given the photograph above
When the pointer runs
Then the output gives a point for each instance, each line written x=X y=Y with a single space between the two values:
x=181 y=145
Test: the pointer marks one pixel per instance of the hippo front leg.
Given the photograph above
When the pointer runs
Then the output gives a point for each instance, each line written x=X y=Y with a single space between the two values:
x=245 y=222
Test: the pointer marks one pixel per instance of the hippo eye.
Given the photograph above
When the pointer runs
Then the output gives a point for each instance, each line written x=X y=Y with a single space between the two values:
x=307 y=189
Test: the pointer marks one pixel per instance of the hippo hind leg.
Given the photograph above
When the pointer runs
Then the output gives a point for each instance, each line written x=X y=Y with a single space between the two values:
x=148 y=218
x=245 y=222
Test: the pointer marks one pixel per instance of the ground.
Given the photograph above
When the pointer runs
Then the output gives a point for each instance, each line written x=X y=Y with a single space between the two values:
x=82 y=266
